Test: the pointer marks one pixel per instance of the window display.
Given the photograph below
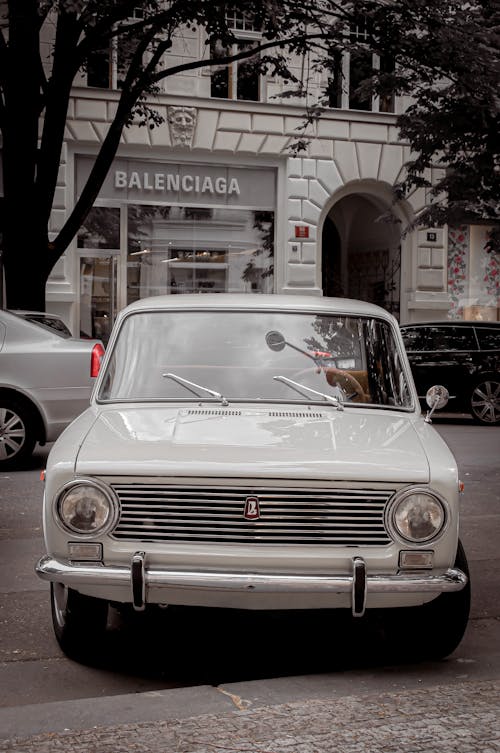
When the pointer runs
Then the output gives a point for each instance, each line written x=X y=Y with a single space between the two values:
x=197 y=250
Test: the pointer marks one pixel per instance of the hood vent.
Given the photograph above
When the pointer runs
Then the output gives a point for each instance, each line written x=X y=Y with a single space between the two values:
x=213 y=413
x=272 y=413
x=293 y=414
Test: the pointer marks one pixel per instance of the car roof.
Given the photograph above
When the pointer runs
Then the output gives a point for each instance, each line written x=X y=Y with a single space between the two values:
x=28 y=312
x=42 y=319
x=258 y=302
x=451 y=323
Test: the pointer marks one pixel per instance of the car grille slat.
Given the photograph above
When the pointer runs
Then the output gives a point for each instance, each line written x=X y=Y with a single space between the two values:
x=162 y=513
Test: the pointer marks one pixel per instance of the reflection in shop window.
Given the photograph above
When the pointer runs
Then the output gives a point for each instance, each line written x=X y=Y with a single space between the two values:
x=196 y=250
x=101 y=229
x=97 y=296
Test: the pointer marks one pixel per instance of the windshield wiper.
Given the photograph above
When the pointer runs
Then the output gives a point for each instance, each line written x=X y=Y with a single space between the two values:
x=186 y=383
x=297 y=387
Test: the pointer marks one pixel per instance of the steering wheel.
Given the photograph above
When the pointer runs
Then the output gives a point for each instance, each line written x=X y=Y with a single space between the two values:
x=345 y=381
x=339 y=378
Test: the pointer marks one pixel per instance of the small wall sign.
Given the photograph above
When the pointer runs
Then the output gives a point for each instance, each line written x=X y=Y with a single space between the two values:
x=301 y=231
x=432 y=237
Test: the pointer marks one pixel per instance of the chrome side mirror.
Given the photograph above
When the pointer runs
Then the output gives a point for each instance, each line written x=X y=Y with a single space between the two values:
x=436 y=398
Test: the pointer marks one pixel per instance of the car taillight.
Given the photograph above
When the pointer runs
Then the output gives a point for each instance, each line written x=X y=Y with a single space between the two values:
x=95 y=359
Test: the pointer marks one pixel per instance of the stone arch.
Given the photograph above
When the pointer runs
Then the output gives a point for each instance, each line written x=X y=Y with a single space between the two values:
x=362 y=256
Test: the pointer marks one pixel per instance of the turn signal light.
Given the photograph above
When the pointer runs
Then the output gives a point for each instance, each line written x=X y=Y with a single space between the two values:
x=95 y=359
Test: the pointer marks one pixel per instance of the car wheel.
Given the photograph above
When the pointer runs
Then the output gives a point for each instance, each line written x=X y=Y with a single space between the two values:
x=17 y=434
x=434 y=630
x=79 y=622
x=485 y=401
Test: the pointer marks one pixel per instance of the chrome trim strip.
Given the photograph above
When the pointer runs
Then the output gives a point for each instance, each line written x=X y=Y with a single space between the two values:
x=49 y=568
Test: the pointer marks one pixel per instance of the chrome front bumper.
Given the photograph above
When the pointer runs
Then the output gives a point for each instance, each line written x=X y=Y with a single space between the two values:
x=139 y=578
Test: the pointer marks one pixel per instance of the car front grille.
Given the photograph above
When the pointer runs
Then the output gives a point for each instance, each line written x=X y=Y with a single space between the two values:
x=216 y=514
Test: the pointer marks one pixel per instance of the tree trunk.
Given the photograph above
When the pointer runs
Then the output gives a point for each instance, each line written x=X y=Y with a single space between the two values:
x=25 y=264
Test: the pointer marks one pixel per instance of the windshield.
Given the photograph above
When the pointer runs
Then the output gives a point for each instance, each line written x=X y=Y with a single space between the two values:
x=255 y=355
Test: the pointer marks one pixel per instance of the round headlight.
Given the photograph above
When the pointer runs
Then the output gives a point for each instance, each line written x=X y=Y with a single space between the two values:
x=418 y=516
x=84 y=507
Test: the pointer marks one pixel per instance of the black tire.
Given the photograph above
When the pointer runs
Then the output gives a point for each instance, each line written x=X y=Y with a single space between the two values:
x=434 y=630
x=79 y=623
x=17 y=433
x=485 y=401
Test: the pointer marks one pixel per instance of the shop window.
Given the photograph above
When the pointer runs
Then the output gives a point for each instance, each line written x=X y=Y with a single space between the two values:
x=174 y=250
x=98 y=296
x=101 y=229
x=473 y=274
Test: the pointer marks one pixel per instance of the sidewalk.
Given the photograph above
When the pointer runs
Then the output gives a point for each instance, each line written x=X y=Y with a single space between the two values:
x=461 y=717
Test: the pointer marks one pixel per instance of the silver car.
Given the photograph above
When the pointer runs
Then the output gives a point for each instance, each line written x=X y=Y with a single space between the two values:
x=255 y=452
x=46 y=379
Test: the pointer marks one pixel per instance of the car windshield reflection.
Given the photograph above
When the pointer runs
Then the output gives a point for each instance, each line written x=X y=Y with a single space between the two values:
x=341 y=359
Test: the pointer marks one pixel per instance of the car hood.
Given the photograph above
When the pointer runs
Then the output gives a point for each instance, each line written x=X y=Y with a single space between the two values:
x=354 y=444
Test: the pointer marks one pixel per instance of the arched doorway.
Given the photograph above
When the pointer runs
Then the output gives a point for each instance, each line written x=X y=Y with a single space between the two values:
x=361 y=253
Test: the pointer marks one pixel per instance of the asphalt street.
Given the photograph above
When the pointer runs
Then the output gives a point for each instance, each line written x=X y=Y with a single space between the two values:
x=355 y=705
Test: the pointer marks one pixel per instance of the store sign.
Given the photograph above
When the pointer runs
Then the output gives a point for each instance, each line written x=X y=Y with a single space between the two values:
x=301 y=231
x=138 y=181
x=200 y=184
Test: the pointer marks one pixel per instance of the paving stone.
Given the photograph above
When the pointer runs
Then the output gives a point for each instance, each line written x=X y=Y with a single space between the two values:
x=445 y=719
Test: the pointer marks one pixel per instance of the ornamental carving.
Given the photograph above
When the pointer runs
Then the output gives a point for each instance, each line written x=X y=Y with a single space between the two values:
x=182 y=122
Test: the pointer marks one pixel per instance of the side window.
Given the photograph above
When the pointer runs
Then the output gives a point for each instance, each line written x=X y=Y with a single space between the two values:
x=489 y=339
x=413 y=339
x=455 y=338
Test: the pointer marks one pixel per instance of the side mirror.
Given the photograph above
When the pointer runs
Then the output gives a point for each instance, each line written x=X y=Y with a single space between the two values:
x=275 y=340
x=436 y=398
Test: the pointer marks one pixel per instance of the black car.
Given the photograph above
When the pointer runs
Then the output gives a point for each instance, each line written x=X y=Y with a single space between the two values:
x=464 y=357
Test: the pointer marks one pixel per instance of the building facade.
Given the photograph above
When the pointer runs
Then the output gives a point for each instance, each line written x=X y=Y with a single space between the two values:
x=215 y=200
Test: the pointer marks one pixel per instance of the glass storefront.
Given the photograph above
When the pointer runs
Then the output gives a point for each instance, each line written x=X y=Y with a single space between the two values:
x=97 y=296
x=473 y=275
x=216 y=234
x=98 y=272
x=185 y=250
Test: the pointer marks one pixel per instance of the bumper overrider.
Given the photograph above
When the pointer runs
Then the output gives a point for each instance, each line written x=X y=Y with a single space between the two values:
x=139 y=578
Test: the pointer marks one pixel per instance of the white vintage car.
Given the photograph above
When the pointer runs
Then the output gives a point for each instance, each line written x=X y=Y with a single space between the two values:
x=255 y=452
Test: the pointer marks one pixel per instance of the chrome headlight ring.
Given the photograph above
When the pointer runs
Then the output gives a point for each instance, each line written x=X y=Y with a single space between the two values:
x=86 y=507
x=418 y=515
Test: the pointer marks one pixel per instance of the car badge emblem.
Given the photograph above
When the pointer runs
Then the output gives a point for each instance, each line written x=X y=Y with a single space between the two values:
x=252 y=509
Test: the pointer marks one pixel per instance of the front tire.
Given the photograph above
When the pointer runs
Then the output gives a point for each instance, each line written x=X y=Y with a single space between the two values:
x=434 y=630
x=485 y=401
x=17 y=433
x=79 y=622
